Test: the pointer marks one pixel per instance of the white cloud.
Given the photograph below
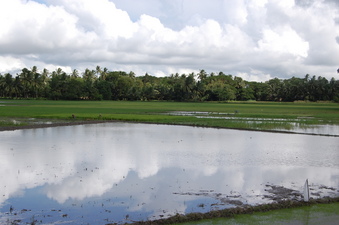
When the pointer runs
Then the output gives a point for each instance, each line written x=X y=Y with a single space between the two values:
x=8 y=63
x=152 y=36
x=34 y=28
x=102 y=17
x=235 y=11
x=284 y=40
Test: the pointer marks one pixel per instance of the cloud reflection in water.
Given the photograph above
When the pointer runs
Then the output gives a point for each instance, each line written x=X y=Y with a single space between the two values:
x=155 y=170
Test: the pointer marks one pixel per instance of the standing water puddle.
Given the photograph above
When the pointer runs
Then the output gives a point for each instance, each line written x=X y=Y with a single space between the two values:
x=124 y=172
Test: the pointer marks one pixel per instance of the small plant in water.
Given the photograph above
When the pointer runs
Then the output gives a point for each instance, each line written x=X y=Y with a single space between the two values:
x=34 y=221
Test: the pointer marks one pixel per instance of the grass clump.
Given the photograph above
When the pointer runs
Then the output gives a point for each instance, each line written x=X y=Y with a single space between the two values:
x=12 y=123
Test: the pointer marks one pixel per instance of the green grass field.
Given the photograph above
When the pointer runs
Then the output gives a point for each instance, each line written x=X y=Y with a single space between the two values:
x=314 y=214
x=263 y=115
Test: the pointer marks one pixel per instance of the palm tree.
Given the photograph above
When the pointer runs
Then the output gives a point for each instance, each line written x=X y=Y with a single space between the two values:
x=26 y=77
x=44 y=76
x=34 y=70
x=98 y=70
x=6 y=85
x=2 y=86
x=202 y=75
x=17 y=87
x=89 y=75
x=103 y=74
x=36 y=82
x=189 y=86
x=75 y=73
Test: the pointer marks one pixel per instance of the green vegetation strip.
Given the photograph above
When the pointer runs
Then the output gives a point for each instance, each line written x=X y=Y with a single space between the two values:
x=211 y=217
x=242 y=115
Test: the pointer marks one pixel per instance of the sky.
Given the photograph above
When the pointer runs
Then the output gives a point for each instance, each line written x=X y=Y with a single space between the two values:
x=254 y=39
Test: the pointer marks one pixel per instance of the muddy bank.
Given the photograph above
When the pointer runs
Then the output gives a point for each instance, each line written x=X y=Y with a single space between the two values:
x=247 y=209
x=54 y=124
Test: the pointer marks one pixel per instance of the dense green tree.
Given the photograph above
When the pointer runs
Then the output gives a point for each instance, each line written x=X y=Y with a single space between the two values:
x=73 y=89
x=246 y=93
x=220 y=91
x=178 y=87
x=104 y=89
x=118 y=85
x=275 y=90
x=294 y=89
x=260 y=90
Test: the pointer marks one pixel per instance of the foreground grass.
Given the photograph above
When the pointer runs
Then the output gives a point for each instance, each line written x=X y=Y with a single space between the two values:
x=314 y=214
x=265 y=113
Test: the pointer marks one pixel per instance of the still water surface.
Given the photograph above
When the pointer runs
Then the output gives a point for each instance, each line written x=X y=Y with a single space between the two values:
x=124 y=172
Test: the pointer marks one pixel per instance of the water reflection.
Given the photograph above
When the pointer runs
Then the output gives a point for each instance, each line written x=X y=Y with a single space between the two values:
x=124 y=172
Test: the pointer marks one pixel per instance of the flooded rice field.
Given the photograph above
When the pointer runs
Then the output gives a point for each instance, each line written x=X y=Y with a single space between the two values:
x=125 y=172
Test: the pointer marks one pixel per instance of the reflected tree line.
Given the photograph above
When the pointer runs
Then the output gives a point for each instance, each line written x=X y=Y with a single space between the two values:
x=102 y=84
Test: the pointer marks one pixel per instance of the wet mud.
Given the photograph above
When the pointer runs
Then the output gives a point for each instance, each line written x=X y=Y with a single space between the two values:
x=53 y=124
x=279 y=193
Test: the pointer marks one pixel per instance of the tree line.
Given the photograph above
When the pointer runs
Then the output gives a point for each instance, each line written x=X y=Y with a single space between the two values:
x=102 y=84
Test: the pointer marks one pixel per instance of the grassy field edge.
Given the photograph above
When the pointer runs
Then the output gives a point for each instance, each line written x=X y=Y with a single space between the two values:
x=231 y=212
x=264 y=115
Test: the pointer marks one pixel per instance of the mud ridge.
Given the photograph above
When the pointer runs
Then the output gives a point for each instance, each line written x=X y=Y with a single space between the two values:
x=56 y=124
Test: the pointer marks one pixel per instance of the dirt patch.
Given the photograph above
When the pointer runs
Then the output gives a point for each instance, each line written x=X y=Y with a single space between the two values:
x=279 y=193
x=222 y=199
